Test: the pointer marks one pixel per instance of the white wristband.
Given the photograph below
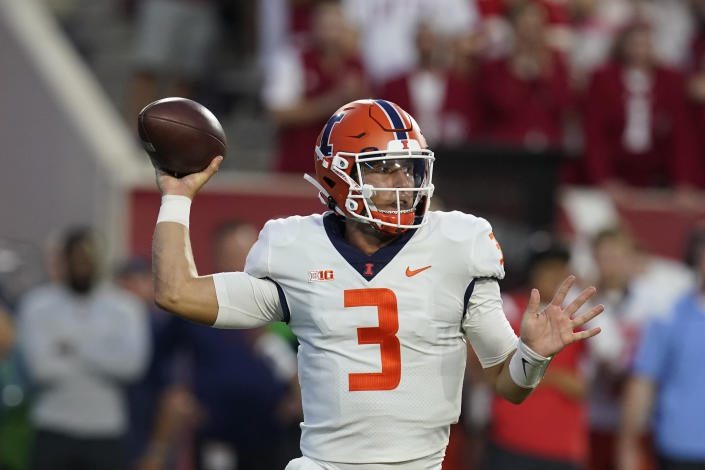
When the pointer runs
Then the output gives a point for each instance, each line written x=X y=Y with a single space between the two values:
x=175 y=209
x=526 y=368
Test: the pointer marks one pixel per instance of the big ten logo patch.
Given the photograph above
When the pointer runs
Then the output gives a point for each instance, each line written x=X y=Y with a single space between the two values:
x=322 y=275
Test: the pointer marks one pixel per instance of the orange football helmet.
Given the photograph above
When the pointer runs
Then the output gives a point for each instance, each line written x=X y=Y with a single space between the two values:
x=361 y=141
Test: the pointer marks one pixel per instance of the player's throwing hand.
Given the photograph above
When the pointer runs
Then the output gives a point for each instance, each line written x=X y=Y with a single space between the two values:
x=550 y=330
x=189 y=185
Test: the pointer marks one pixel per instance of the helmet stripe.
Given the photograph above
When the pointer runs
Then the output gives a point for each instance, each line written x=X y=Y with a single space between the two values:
x=395 y=118
x=326 y=147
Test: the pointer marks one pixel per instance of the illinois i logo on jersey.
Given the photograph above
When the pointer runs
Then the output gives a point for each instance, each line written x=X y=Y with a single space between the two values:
x=321 y=275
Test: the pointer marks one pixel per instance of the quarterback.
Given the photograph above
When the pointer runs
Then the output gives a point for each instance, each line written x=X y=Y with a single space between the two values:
x=383 y=295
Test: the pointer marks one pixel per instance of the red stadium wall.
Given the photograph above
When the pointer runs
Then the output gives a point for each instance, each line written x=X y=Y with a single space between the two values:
x=210 y=209
x=657 y=223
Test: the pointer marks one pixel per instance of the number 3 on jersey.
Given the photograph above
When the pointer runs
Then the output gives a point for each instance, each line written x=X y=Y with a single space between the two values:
x=384 y=335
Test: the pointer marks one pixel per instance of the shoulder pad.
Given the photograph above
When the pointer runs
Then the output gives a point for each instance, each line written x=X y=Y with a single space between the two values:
x=284 y=232
x=458 y=226
x=474 y=237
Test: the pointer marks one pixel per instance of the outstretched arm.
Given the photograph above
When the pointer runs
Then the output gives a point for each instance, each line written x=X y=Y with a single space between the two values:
x=543 y=334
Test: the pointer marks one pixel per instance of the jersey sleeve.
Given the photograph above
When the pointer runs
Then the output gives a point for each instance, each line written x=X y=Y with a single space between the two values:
x=485 y=325
x=251 y=298
x=245 y=301
x=257 y=263
x=486 y=258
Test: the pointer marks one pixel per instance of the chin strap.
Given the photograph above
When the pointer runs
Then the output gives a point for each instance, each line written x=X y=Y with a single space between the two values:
x=323 y=195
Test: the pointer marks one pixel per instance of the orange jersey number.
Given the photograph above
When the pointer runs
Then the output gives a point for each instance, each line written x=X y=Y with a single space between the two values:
x=501 y=255
x=384 y=335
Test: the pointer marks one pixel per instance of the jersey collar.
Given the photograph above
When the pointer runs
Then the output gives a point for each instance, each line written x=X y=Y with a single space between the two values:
x=367 y=265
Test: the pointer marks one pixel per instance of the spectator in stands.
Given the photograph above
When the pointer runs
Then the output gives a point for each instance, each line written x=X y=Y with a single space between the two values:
x=696 y=87
x=387 y=29
x=636 y=127
x=633 y=288
x=593 y=29
x=696 y=52
x=526 y=95
x=174 y=42
x=282 y=22
x=238 y=398
x=423 y=91
x=557 y=410
x=306 y=85
x=667 y=384
x=83 y=341
x=557 y=16
x=671 y=28
x=615 y=257
x=461 y=114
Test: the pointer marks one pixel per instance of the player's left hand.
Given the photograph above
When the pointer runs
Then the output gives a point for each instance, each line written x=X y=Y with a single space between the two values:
x=550 y=330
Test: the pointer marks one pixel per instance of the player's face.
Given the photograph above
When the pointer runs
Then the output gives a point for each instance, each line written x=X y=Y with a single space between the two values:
x=391 y=173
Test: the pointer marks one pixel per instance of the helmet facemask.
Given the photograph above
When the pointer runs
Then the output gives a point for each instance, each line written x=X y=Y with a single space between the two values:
x=392 y=208
x=372 y=166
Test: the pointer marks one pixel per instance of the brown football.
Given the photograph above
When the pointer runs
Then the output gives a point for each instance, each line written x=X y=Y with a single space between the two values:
x=180 y=135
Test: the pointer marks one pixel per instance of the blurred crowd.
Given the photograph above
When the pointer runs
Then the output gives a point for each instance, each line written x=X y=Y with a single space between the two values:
x=618 y=86
x=93 y=375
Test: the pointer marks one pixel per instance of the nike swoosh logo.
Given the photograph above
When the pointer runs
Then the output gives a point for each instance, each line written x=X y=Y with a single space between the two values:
x=524 y=362
x=414 y=272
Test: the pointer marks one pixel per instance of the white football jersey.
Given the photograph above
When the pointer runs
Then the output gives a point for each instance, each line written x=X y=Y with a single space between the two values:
x=382 y=337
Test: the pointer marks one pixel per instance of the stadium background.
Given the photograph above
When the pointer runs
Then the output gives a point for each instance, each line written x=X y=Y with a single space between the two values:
x=72 y=76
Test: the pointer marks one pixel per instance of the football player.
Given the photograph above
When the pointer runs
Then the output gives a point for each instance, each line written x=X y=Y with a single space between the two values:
x=382 y=293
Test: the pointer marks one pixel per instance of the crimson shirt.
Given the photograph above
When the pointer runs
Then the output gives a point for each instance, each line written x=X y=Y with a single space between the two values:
x=295 y=152
x=525 y=112
x=670 y=159
x=697 y=110
x=458 y=113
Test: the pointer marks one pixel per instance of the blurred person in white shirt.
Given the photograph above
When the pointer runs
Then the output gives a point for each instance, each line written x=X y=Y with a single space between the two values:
x=634 y=287
x=388 y=27
x=83 y=340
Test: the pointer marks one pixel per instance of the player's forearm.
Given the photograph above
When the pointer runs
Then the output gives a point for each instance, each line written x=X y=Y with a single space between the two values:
x=519 y=374
x=172 y=262
x=507 y=388
x=177 y=287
